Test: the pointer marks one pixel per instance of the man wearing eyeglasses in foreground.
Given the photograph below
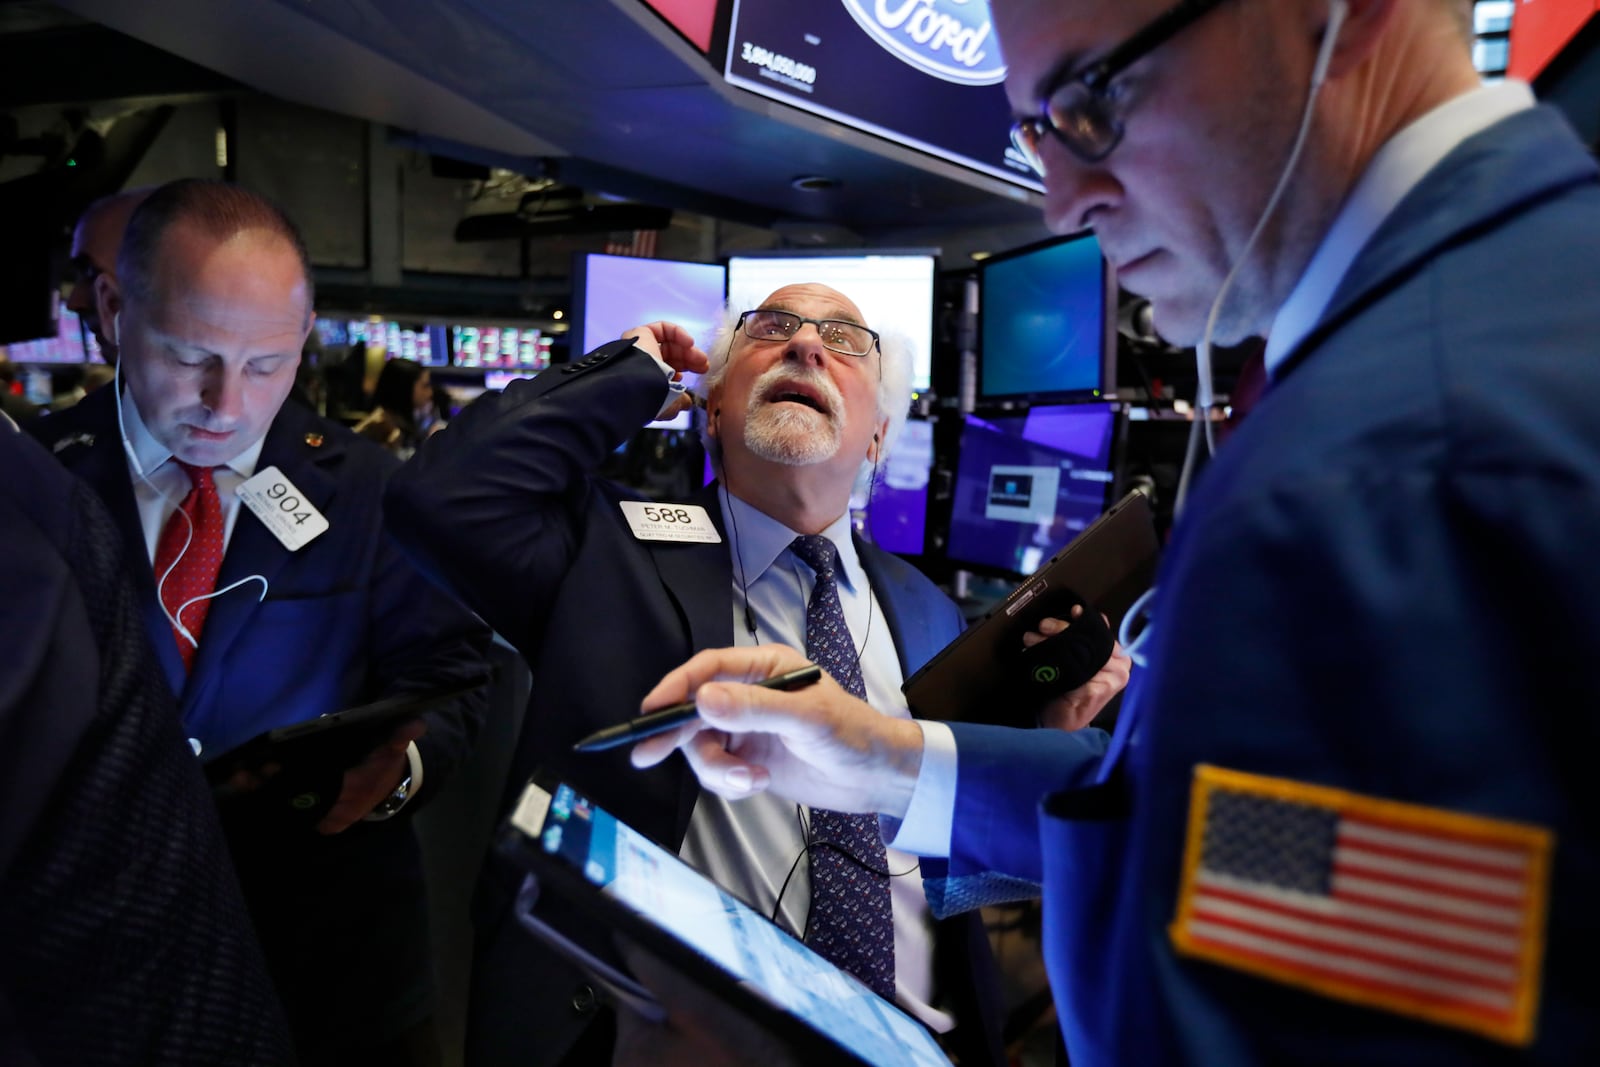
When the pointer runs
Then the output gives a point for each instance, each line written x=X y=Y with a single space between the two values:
x=602 y=597
x=1348 y=812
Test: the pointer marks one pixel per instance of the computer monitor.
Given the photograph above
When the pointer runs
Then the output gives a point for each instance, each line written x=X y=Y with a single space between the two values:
x=420 y=342
x=482 y=346
x=71 y=343
x=924 y=75
x=1047 y=316
x=611 y=294
x=897 y=509
x=333 y=331
x=893 y=289
x=1026 y=484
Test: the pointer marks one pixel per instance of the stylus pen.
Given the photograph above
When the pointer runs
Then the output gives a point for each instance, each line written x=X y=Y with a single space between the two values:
x=659 y=722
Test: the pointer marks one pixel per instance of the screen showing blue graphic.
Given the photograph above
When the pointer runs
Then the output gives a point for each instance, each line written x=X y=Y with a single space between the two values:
x=1044 y=332
x=1028 y=484
x=654 y=883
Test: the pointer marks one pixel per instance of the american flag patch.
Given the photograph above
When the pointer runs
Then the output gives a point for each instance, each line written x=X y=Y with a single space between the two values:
x=1420 y=911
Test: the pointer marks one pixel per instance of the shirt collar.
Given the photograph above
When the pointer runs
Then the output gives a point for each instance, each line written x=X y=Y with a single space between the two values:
x=759 y=539
x=152 y=453
x=1395 y=170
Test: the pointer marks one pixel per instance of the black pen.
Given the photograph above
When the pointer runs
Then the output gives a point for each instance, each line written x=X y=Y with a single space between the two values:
x=659 y=722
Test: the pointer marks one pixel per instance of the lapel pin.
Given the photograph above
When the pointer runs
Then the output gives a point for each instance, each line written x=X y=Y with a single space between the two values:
x=314 y=440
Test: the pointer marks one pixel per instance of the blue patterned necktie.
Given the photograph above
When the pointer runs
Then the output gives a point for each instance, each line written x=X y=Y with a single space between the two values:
x=852 y=921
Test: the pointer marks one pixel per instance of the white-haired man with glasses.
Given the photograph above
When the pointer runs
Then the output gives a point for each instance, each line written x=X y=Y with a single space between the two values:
x=603 y=592
x=1347 y=815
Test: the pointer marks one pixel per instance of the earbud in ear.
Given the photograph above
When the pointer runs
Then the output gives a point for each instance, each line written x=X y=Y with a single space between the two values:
x=874 y=438
x=116 y=329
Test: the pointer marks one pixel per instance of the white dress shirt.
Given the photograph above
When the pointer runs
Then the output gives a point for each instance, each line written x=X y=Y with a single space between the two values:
x=750 y=846
x=1396 y=169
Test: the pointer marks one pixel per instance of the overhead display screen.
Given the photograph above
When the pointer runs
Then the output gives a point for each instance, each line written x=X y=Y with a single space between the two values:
x=926 y=74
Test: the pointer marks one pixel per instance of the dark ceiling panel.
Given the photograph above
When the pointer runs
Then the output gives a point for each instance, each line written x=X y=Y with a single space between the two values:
x=598 y=80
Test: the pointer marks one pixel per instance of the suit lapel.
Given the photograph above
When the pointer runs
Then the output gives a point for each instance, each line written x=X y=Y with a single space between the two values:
x=699 y=577
x=254 y=551
x=1514 y=163
x=887 y=594
x=104 y=465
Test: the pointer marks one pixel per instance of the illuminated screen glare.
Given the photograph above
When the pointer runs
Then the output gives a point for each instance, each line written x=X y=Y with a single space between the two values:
x=1043 y=324
x=72 y=343
x=621 y=292
x=894 y=292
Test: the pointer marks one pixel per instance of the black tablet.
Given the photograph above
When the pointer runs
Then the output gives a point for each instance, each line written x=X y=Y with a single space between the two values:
x=313 y=755
x=1107 y=567
x=594 y=877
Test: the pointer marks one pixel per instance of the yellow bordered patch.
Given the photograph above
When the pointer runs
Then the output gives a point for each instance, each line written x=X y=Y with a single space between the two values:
x=1420 y=911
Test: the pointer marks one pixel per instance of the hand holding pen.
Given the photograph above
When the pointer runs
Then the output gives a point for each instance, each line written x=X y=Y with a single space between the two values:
x=653 y=723
x=820 y=745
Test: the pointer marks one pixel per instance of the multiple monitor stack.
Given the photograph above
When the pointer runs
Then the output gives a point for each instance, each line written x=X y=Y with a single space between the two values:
x=1027 y=477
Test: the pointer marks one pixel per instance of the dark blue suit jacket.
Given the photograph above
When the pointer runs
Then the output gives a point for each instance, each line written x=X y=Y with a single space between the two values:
x=1385 y=583
x=502 y=508
x=346 y=619
x=126 y=939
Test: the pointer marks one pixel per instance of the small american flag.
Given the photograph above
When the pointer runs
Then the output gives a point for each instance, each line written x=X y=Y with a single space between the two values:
x=641 y=243
x=1421 y=911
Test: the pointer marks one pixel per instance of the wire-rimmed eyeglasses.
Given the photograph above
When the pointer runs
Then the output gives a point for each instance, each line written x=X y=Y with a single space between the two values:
x=838 y=335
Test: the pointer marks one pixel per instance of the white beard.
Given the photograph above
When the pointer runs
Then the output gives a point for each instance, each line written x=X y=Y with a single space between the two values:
x=793 y=434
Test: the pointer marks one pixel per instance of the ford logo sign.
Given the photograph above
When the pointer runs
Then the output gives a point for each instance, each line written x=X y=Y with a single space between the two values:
x=949 y=39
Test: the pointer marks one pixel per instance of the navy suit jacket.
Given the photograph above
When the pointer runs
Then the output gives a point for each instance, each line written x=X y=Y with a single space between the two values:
x=502 y=507
x=345 y=620
x=126 y=939
x=1386 y=583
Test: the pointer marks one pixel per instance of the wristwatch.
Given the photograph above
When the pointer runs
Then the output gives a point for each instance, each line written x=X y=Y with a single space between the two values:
x=394 y=801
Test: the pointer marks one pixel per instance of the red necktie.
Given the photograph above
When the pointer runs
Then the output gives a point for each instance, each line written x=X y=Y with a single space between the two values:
x=193 y=568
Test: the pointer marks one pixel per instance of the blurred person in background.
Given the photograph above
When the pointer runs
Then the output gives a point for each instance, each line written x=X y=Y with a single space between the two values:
x=96 y=240
x=403 y=410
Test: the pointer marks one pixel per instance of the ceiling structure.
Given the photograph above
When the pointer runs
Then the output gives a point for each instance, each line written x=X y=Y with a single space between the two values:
x=595 y=93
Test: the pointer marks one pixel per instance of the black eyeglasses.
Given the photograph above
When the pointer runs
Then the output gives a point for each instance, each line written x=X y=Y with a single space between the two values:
x=1079 y=111
x=846 y=338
